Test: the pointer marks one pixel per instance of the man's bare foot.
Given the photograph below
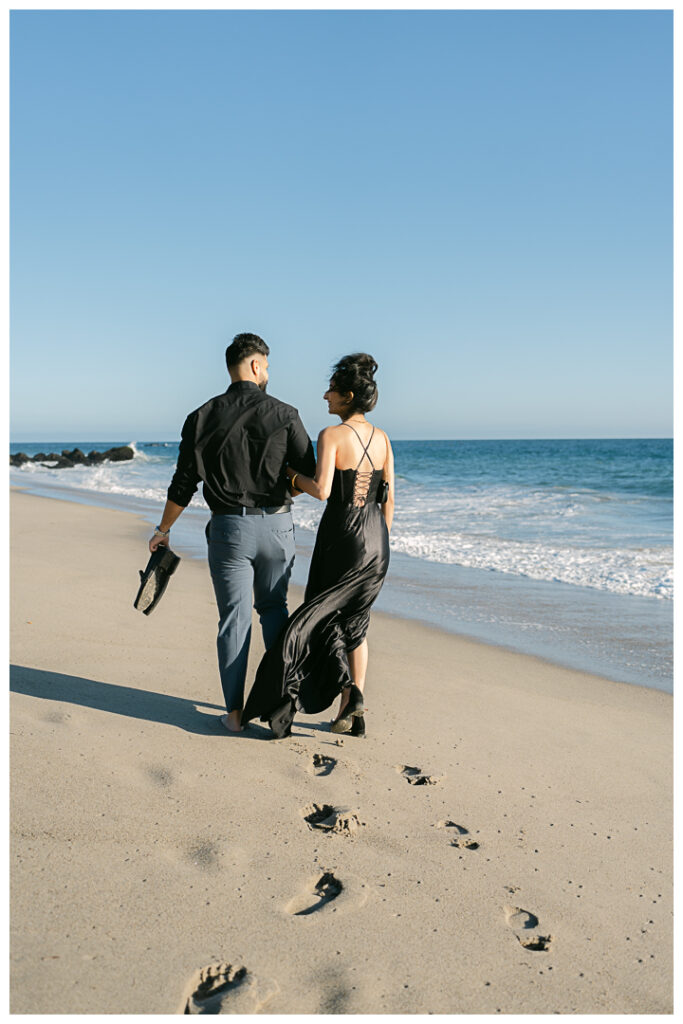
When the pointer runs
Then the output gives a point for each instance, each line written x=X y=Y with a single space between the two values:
x=232 y=721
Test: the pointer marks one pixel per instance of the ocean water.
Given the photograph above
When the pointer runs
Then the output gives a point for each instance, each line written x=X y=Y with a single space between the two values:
x=562 y=549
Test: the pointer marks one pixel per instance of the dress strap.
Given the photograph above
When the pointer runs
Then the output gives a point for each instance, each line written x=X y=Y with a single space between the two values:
x=365 y=447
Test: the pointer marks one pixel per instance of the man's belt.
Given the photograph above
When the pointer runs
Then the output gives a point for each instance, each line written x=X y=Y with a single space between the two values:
x=246 y=510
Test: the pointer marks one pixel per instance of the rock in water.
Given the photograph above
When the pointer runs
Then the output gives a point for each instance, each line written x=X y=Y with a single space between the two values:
x=121 y=454
x=76 y=456
x=69 y=459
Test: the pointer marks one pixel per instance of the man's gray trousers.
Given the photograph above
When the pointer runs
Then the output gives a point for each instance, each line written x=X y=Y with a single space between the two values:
x=248 y=553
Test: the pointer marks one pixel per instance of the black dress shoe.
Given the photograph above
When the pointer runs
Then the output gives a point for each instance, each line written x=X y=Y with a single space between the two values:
x=154 y=578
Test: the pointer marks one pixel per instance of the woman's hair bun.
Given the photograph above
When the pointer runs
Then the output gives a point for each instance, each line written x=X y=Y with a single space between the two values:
x=365 y=363
x=356 y=373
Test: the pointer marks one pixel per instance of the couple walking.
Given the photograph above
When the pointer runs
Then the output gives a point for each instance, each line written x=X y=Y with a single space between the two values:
x=253 y=455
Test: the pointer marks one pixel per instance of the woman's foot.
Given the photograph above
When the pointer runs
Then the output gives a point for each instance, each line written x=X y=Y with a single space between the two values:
x=350 y=709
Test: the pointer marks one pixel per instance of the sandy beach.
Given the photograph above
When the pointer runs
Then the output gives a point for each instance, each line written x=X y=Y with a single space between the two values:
x=500 y=843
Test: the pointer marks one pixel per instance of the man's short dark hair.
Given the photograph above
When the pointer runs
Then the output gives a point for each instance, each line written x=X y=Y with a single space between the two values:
x=243 y=346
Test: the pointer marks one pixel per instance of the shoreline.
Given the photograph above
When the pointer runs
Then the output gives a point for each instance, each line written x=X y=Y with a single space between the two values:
x=528 y=871
x=404 y=593
x=296 y=592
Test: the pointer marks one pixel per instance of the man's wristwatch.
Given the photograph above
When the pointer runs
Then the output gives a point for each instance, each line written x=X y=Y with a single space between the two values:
x=158 y=532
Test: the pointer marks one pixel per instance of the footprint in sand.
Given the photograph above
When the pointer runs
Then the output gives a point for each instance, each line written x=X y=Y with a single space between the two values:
x=205 y=854
x=333 y=820
x=416 y=777
x=522 y=922
x=222 y=988
x=212 y=985
x=321 y=764
x=57 y=717
x=321 y=889
x=159 y=775
x=462 y=840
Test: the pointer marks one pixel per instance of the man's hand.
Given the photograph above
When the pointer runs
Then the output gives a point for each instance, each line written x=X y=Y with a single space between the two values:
x=155 y=541
x=171 y=513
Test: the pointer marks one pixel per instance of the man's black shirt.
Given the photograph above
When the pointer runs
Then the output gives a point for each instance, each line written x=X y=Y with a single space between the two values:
x=239 y=443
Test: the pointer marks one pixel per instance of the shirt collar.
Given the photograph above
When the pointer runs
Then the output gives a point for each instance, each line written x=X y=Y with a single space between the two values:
x=241 y=385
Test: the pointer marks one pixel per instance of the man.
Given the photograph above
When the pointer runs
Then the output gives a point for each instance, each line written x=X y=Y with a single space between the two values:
x=240 y=444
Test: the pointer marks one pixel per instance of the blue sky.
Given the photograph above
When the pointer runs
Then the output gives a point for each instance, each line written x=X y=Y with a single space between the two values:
x=482 y=200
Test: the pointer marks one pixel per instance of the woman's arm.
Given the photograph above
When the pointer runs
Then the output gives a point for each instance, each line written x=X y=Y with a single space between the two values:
x=320 y=485
x=388 y=475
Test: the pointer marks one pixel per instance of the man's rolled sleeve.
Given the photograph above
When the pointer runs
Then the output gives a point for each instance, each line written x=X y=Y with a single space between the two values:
x=300 y=454
x=186 y=478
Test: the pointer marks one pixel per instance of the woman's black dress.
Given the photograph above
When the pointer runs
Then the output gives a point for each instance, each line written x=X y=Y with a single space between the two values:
x=308 y=666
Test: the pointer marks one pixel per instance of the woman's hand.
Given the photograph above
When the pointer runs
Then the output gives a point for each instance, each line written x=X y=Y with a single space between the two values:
x=320 y=485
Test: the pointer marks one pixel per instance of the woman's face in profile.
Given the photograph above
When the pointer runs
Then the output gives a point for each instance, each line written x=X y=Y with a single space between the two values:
x=336 y=403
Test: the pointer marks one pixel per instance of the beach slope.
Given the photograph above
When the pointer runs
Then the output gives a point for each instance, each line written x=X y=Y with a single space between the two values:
x=501 y=841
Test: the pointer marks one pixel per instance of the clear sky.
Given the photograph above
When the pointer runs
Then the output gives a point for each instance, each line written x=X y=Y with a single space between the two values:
x=482 y=200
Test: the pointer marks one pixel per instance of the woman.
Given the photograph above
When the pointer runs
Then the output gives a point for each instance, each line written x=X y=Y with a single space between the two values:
x=322 y=652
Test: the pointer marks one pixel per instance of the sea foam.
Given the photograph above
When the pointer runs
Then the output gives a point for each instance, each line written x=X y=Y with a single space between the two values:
x=552 y=531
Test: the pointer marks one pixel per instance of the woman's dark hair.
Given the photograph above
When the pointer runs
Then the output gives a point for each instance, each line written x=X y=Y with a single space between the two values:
x=356 y=373
x=244 y=345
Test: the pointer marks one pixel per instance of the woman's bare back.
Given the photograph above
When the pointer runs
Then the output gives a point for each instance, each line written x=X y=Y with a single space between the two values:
x=355 y=442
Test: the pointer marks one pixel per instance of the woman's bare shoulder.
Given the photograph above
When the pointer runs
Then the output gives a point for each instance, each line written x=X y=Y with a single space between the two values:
x=330 y=438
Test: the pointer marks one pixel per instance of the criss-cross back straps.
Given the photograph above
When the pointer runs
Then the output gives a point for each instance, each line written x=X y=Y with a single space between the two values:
x=365 y=447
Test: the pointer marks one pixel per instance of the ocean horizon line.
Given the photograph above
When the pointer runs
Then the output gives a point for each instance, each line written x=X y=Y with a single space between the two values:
x=173 y=440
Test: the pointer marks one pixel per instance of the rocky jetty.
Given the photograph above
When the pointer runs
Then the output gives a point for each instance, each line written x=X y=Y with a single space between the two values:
x=74 y=457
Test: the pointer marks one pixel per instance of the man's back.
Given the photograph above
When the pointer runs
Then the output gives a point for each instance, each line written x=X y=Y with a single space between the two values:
x=240 y=443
